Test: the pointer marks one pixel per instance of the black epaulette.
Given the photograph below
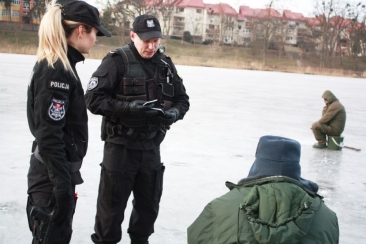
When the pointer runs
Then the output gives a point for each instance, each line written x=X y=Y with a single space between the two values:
x=167 y=56
x=111 y=53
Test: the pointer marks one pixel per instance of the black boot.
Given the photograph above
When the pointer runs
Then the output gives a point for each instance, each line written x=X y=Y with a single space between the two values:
x=138 y=240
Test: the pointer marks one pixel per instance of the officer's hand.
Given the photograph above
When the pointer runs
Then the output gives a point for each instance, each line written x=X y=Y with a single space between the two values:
x=172 y=114
x=64 y=207
x=137 y=108
x=169 y=117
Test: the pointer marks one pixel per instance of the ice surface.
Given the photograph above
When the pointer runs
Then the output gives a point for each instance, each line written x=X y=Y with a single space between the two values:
x=216 y=142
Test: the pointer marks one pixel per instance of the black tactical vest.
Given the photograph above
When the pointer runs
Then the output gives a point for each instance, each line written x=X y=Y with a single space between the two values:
x=135 y=86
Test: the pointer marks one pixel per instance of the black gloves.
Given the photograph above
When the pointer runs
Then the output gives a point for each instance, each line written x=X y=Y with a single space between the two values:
x=136 y=108
x=169 y=117
x=172 y=114
x=64 y=207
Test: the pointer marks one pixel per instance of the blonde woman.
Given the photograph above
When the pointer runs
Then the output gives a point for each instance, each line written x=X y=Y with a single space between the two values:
x=58 y=119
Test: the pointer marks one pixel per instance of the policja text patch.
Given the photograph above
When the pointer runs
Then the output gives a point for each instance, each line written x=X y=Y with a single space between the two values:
x=56 y=110
x=61 y=85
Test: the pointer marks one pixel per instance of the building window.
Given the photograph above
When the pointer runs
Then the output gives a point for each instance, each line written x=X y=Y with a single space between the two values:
x=26 y=5
x=247 y=30
x=15 y=14
x=212 y=27
x=228 y=38
x=35 y=16
x=198 y=11
x=16 y=2
x=288 y=38
x=290 y=31
x=229 y=28
x=5 y=12
x=180 y=10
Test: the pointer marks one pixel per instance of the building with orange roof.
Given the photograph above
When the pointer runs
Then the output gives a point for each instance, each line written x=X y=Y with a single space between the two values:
x=19 y=12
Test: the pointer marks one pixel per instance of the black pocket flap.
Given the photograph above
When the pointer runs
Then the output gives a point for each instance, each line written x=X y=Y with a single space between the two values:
x=167 y=89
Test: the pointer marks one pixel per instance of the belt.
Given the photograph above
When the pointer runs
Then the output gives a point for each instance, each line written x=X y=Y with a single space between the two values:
x=121 y=130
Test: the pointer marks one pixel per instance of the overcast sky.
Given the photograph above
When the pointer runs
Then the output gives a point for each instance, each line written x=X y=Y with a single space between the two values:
x=306 y=7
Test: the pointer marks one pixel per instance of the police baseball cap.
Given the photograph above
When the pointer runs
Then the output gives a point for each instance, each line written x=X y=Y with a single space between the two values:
x=83 y=12
x=147 y=27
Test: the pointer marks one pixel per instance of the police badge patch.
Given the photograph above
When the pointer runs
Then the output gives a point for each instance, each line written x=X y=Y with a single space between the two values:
x=150 y=23
x=93 y=82
x=57 y=109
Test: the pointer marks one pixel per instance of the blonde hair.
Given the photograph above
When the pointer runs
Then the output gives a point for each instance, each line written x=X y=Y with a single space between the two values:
x=53 y=33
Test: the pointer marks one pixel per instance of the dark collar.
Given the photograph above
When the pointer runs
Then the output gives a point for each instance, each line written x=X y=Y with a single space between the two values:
x=74 y=55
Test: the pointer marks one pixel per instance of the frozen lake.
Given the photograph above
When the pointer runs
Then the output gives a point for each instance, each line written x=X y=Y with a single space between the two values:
x=216 y=142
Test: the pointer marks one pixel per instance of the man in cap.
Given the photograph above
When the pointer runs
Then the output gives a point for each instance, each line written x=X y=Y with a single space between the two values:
x=332 y=122
x=272 y=205
x=140 y=95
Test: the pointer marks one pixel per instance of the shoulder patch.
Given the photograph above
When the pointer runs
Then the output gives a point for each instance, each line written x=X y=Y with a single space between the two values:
x=56 y=110
x=60 y=85
x=93 y=82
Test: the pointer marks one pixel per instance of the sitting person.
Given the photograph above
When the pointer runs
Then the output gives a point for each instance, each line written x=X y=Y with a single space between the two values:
x=332 y=121
x=272 y=205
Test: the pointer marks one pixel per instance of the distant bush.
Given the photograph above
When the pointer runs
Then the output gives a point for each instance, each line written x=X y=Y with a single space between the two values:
x=207 y=42
x=187 y=37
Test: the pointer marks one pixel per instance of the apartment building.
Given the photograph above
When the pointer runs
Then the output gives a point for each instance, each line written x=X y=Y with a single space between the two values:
x=20 y=12
x=219 y=23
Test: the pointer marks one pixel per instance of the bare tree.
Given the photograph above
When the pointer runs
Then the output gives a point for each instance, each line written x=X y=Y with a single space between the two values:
x=268 y=30
x=8 y=4
x=166 y=12
x=330 y=15
x=357 y=32
x=125 y=11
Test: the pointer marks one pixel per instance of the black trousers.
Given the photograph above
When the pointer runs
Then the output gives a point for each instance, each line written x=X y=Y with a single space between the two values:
x=125 y=171
x=40 y=195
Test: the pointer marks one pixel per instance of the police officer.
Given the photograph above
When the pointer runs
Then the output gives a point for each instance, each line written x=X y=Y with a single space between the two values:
x=57 y=118
x=140 y=95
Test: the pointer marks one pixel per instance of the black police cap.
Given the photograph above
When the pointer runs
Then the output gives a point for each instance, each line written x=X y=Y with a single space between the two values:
x=83 y=12
x=147 y=27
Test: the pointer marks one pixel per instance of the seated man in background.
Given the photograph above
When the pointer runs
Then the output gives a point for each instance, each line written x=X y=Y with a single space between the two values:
x=272 y=205
x=332 y=121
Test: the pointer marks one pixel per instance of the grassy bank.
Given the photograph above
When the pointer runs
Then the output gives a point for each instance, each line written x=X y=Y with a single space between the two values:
x=182 y=53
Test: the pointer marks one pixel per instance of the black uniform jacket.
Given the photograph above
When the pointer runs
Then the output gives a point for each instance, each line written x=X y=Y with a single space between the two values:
x=57 y=118
x=101 y=100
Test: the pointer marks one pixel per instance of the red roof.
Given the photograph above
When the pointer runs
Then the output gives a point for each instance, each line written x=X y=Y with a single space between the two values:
x=313 y=21
x=212 y=8
x=288 y=14
x=247 y=12
x=227 y=9
x=339 y=21
x=220 y=8
x=191 y=3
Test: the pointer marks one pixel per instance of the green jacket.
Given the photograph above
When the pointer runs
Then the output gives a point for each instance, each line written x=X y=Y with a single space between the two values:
x=334 y=114
x=268 y=210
